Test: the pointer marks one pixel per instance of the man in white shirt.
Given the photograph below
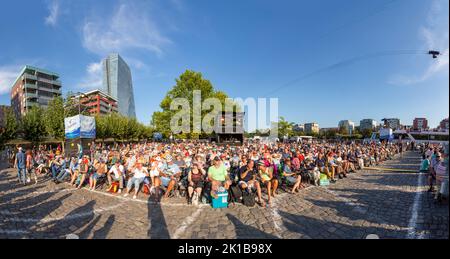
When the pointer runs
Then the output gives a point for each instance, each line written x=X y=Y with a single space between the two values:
x=139 y=174
x=116 y=174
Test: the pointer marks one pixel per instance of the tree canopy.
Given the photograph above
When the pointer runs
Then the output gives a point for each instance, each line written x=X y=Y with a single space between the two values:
x=185 y=86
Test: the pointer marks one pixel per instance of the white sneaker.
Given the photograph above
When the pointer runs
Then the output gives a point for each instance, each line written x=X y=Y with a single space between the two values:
x=125 y=195
x=134 y=197
x=119 y=191
x=195 y=199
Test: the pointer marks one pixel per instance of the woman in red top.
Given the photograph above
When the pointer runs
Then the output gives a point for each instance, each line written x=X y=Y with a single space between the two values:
x=29 y=166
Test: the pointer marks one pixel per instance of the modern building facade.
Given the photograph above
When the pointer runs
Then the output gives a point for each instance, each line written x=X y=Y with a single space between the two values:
x=98 y=103
x=368 y=124
x=312 y=128
x=34 y=87
x=444 y=125
x=117 y=83
x=420 y=124
x=392 y=123
x=299 y=128
x=348 y=125
x=326 y=130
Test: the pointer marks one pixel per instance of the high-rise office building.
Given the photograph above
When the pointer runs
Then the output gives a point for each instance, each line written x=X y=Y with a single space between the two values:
x=34 y=87
x=117 y=82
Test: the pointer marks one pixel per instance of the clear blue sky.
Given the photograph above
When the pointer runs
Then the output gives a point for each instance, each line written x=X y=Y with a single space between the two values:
x=247 y=49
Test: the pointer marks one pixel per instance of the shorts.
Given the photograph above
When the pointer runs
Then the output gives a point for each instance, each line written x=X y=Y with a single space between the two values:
x=165 y=181
x=265 y=177
x=249 y=185
x=154 y=173
x=199 y=184
x=96 y=176
x=291 y=179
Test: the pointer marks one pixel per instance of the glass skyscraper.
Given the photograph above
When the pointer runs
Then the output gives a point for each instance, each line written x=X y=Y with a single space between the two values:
x=117 y=82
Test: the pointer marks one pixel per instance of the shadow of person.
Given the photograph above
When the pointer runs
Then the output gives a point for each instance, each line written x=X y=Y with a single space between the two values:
x=72 y=222
x=248 y=232
x=158 y=226
x=102 y=233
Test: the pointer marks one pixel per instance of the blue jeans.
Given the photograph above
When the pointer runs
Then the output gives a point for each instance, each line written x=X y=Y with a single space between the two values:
x=22 y=175
x=136 y=182
x=62 y=175
x=55 y=172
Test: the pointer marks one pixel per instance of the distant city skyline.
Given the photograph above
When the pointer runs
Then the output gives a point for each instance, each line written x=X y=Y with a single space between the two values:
x=326 y=61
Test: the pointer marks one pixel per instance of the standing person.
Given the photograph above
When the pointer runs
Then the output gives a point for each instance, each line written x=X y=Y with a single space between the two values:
x=20 y=164
x=30 y=165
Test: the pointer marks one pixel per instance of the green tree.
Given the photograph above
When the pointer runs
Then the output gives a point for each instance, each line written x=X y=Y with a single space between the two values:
x=367 y=133
x=285 y=128
x=11 y=126
x=33 y=125
x=54 y=118
x=185 y=85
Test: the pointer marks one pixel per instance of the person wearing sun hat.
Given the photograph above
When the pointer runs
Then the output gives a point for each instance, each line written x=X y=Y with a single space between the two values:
x=218 y=176
x=169 y=175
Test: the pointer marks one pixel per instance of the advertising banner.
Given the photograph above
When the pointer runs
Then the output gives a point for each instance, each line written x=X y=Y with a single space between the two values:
x=80 y=126
x=88 y=129
x=72 y=127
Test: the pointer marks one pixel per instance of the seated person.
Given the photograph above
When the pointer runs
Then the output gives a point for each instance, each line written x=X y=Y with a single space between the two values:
x=170 y=175
x=139 y=174
x=56 y=167
x=266 y=176
x=268 y=162
x=291 y=177
x=217 y=175
x=100 y=171
x=116 y=173
x=195 y=183
x=83 y=171
x=248 y=182
x=66 y=171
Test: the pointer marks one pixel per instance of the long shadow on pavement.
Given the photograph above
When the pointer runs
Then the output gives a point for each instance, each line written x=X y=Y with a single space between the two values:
x=308 y=227
x=247 y=232
x=102 y=233
x=158 y=226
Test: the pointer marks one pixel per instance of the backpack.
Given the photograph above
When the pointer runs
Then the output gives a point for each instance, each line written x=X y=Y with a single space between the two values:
x=248 y=199
x=236 y=193
x=114 y=187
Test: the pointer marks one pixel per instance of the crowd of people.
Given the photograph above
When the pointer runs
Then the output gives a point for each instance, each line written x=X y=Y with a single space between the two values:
x=200 y=170
x=433 y=164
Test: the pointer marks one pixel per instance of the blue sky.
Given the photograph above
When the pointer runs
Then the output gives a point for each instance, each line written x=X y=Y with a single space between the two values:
x=247 y=49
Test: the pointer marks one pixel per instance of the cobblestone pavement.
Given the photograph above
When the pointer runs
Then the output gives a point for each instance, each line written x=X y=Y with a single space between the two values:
x=390 y=204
